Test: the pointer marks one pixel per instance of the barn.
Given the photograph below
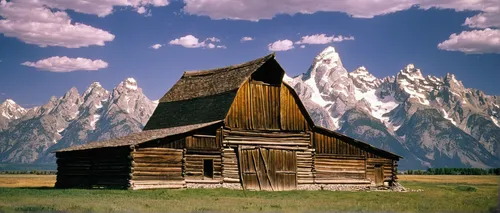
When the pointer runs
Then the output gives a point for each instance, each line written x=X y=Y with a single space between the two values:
x=239 y=126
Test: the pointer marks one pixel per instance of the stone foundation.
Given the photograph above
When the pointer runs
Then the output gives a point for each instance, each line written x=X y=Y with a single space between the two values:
x=308 y=187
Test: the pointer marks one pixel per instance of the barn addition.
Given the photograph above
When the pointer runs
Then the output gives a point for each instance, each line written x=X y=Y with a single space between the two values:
x=238 y=126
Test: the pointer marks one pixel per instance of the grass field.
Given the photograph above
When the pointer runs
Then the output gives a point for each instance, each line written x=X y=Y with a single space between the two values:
x=25 y=193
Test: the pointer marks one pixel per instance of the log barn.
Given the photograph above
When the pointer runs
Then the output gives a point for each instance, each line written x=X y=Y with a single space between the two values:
x=239 y=126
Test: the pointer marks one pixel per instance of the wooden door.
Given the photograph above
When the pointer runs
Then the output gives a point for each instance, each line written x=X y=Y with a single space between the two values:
x=379 y=175
x=268 y=169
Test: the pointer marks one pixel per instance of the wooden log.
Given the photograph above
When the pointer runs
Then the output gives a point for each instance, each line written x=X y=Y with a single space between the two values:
x=155 y=160
x=142 y=173
x=346 y=181
x=266 y=143
x=158 y=149
x=160 y=164
x=231 y=180
x=153 y=182
x=171 y=177
x=157 y=169
x=204 y=181
x=267 y=135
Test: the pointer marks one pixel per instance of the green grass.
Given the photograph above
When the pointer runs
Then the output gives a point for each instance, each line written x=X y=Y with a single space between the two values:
x=436 y=197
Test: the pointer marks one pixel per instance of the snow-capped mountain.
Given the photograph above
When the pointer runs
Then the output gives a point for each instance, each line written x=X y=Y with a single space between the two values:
x=9 y=112
x=431 y=121
x=31 y=134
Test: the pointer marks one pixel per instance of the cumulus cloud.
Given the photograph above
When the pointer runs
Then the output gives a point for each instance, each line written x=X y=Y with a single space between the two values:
x=263 y=9
x=483 y=20
x=280 y=45
x=190 y=41
x=65 y=64
x=323 y=39
x=473 y=42
x=102 y=8
x=246 y=38
x=156 y=46
x=302 y=46
x=35 y=24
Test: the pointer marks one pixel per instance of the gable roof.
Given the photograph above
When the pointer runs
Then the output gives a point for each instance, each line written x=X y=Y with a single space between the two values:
x=139 y=137
x=203 y=96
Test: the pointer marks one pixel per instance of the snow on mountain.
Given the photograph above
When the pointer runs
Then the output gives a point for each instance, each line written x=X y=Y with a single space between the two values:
x=73 y=119
x=10 y=111
x=329 y=92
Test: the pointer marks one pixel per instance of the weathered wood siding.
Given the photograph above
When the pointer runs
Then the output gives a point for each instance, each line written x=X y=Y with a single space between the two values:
x=155 y=167
x=194 y=168
x=339 y=159
x=230 y=170
x=305 y=166
x=327 y=144
x=386 y=164
x=283 y=140
x=96 y=168
x=259 y=106
x=267 y=169
x=330 y=168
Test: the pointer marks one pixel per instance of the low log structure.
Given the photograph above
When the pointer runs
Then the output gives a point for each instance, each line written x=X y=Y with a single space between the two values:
x=234 y=125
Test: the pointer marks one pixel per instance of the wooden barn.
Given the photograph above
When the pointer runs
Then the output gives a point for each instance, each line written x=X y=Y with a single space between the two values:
x=239 y=126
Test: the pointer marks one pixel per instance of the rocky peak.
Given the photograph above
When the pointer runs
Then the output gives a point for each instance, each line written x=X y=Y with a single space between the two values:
x=364 y=79
x=128 y=84
x=11 y=110
x=451 y=81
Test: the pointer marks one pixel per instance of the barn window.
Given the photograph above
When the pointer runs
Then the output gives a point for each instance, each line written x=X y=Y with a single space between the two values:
x=208 y=168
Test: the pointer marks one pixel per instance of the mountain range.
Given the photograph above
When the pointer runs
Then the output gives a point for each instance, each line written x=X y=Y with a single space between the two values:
x=430 y=121
x=30 y=135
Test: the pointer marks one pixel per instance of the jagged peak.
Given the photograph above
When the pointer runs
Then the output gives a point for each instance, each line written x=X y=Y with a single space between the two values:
x=9 y=101
x=129 y=83
x=329 y=55
x=411 y=72
x=93 y=87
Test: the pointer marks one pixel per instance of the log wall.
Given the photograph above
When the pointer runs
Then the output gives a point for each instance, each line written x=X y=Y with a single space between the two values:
x=96 y=168
x=275 y=140
x=230 y=171
x=157 y=168
x=259 y=106
x=333 y=169
x=305 y=167
x=194 y=168
x=387 y=164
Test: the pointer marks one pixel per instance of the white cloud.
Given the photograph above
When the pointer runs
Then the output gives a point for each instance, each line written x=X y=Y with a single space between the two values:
x=221 y=47
x=473 y=42
x=156 y=46
x=190 y=41
x=65 y=64
x=141 y=10
x=263 y=9
x=280 y=45
x=322 y=39
x=102 y=8
x=246 y=38
x=483 y=20
x=302 y=46
x=36 y=24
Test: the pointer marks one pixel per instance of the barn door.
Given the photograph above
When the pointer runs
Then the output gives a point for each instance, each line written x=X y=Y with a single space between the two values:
x=267 y=169
x=379 y=175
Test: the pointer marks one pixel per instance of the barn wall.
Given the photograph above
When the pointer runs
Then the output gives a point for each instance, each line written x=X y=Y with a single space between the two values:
x=330 y=168
x=96 y=168
x=230 y=170
x=259 y=106
x=194 y=168
x=156 y=167
x=305 y=166
x=266 y=140
x=385 y=163
x=334 y=154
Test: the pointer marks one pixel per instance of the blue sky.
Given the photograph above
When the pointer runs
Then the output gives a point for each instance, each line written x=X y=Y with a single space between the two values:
x=114 y=40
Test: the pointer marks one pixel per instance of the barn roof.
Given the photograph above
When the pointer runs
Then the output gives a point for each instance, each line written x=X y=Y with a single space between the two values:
x=203 y=96
x=139 y=137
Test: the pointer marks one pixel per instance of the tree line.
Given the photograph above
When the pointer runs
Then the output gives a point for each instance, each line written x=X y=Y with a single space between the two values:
x=454 y=171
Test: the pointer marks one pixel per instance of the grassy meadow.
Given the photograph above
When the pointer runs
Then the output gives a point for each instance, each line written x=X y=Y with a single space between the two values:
x=25 y=193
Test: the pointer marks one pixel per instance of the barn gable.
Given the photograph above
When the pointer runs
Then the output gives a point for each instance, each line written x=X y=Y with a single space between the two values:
x=203 y=96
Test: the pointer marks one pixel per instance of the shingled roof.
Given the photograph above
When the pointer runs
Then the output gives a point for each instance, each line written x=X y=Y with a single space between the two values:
x=203 y=96
x=139 y=137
